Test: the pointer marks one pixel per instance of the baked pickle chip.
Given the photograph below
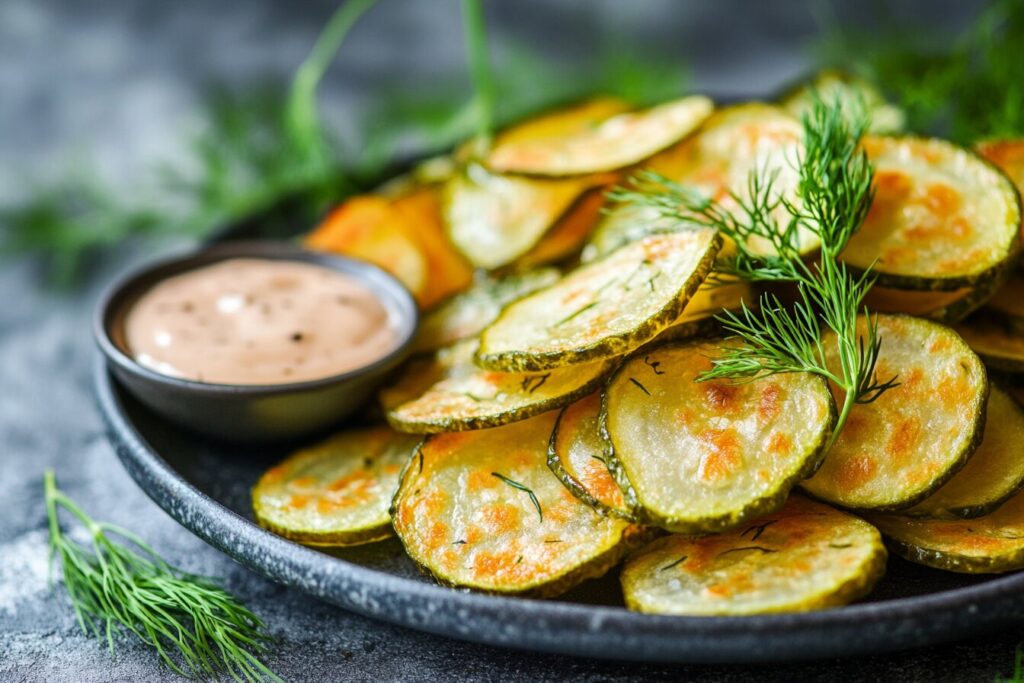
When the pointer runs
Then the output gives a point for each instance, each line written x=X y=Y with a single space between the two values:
x=567 y=237
x=944 y=307
x=337 y=492
x=696 y=457
x=998 y=339
x=943 y=218
x=494 y=219
x=481 y=510
x=451 y=394
x=897 y=450
x=994 y=473
x=1008 y=155
x=576 y=454
x=708 y=301
x=604 y=308
x=984 y=545
x=718 y=162
x=369 y=227
x=562 y=122
x=468 y=313
x=803 y=557
x=851 y=91
x=1009 y=299
x=616 y=142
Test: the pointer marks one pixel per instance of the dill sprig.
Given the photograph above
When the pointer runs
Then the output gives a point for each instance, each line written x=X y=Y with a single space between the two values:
x=197 y=628
x=525 y=489
x=475 y=31
x=835 y=193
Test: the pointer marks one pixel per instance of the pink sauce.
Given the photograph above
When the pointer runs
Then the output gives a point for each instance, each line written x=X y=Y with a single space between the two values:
x=259 y=321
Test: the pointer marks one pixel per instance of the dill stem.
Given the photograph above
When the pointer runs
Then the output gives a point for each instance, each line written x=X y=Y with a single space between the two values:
x=301 y=119
x=849 y=402
x=480 y=69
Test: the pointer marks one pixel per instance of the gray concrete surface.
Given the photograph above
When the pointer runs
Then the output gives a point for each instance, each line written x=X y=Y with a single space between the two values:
x=119 y=81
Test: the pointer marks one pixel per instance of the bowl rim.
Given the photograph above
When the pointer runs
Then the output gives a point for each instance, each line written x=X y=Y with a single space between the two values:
x=119 y=294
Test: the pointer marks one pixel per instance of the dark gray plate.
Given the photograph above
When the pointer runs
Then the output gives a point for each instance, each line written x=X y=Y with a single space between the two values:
x=205 y=486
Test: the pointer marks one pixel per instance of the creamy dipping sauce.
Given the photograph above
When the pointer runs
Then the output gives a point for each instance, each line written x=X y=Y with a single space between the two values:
x=259 y=321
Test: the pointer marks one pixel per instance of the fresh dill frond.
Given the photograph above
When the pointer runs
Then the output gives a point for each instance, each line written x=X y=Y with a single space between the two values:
x=834 y=194
x=119 y=584
x=525 y=489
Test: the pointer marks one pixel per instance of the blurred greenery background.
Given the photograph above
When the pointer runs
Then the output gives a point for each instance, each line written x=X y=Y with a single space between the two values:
x=124 y=120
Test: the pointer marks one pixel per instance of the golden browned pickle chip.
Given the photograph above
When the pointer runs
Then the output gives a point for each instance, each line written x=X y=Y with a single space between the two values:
x=831 y=85
x=481 y=510
x=604 y=308
x=456 y=395
x=562 y=122
x=614 y=143
x=447 y=271
x=711 y=300
x=718 y=161
x=337 y=492
x=493 y=219
x=997 y=338
x=370 y=228
x=805 y=556
x=897 y=450
x=577 y=457
x=1009 y=299
x=984 y=545
x=994 y=473
x=567 y=237
x=1008 y=155
x=696 y=457
x=944 y=307
x=943 y=218
x=466 y=314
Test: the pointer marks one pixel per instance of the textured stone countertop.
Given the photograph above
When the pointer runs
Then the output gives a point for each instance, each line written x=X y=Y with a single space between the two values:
x=118 y=80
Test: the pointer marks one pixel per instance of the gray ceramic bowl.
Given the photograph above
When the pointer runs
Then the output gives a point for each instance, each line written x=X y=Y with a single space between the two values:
x=249 y=412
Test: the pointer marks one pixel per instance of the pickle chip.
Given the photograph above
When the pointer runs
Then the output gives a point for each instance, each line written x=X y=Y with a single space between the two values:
x=805 y=556
x=466 y=314
x=944 y=307
x=718 y=161
x=458 y=396
x=447 y=271
x=897 y=450
x=603 y=309
x=696 y=457
x=337 y=492
x=481 y=510
x=831 y=85
x=368 y=227
x=998 y=339
x=994 y=473
x=709 y=301
x=614 y=143
x=985 y=545
x=576 y=455
x=567 y=237
x=493 y=219
x=943 y=218
x=562 y=122
x=1008 y=155
x=1009 y=299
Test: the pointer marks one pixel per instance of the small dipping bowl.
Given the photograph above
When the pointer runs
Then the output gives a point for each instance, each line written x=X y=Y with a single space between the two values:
x=250 y=412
